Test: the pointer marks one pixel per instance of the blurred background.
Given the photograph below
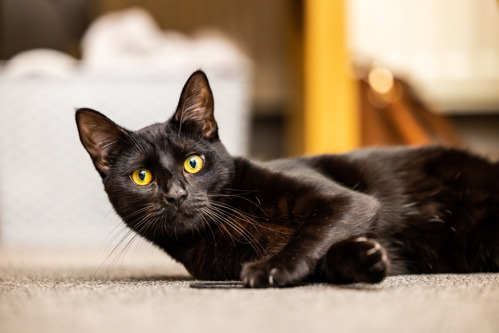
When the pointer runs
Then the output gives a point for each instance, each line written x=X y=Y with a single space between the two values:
x=290 y=77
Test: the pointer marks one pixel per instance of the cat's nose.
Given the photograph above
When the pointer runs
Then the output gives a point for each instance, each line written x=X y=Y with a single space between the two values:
x=176 y=194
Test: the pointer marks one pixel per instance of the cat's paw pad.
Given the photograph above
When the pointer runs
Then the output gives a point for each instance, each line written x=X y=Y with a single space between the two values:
x=358 y=260
x=371 y=261
x=267 y=274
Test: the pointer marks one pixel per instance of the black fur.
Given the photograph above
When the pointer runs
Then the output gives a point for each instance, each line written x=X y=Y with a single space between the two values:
x=338 y=218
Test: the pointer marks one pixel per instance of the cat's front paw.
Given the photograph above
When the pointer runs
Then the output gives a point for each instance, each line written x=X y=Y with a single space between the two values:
x=271 y=274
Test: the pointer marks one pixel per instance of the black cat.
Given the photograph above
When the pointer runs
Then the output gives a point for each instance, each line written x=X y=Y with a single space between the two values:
x=338 y=218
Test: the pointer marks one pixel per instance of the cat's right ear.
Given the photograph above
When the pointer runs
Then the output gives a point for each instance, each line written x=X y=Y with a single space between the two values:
x=99 y=135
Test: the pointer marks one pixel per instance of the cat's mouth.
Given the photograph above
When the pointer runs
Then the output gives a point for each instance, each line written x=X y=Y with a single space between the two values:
x=180 y=215
x=169 y=219
x=179 y=218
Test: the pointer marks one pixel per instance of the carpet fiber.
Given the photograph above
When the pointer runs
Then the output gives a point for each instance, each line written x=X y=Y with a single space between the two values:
x=71 y=291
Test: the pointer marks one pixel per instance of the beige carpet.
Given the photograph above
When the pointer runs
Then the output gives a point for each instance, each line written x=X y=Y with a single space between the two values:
x=69 y=291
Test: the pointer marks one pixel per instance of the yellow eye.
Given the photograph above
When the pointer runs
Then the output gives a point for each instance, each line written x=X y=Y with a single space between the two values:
x=193 y=164
x=142 y=176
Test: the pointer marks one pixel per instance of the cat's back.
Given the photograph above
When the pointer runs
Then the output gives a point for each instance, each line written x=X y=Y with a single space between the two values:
x=382 y=167
x=392 y=175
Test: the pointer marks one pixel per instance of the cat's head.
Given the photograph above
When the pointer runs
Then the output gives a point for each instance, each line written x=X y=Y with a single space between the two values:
x=164 y=177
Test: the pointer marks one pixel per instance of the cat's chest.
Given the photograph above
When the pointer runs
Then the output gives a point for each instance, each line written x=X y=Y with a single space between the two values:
x=227 y=244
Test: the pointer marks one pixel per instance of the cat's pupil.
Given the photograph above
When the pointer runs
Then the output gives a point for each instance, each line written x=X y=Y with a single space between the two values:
x=142 y=175
x=193 y=163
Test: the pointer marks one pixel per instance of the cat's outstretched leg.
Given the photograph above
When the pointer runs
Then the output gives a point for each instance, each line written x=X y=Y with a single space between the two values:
x=331 y=220
x=358 y=259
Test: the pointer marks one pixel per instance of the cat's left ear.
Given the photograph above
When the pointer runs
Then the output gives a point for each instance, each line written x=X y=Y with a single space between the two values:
x=195 y=108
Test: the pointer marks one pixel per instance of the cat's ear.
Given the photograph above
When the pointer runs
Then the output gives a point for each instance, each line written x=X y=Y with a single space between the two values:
x=99 y=135
x=195 y=108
